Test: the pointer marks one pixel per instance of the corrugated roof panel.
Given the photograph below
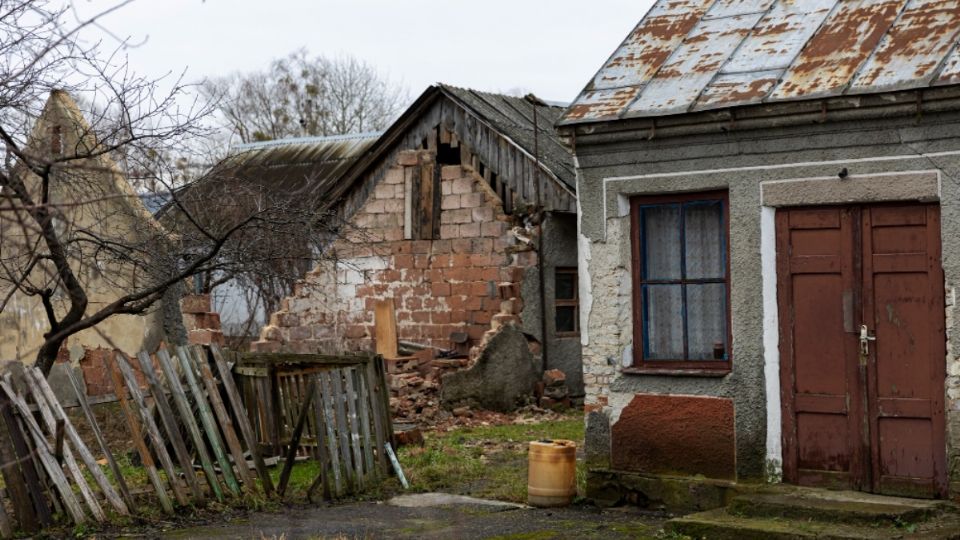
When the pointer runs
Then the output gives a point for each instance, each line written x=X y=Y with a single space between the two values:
x=950 y=73
x=778 y=37
x=913 y=48
x=599 y=105
x=838 y=49
x=729 y=8
x=689 y=70
x=650 y=44
x=812 y=48
x=737 y=89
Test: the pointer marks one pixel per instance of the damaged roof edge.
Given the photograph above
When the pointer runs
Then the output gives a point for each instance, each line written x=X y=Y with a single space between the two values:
x=695 y=55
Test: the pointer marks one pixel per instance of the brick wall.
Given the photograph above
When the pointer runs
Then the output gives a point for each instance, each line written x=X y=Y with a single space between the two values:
x=466 y=280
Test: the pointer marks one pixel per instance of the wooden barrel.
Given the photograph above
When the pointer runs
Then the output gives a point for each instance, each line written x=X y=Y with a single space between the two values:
x=552 y=480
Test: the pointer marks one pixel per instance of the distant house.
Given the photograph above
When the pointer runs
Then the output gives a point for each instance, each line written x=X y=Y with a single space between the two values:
x=769 y=195
x=95 y=200
x=442 y=214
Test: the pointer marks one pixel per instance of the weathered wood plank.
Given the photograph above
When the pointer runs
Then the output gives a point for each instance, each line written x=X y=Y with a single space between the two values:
x=186 y=416
x=50 y=465
x=243 y=421
x=170 y=424
x=295 y=441
x=15 y=464
x=49 y=420
x=136 y=433
x=376 y=410
x=6 y=527
x=152 y=430
x=363 y=406
x=209 y=424
x=330 y=423
x=322 y=450
x=350 y=396
x=88 y=460
x=343 y=428
x=385 y=328
x=226 y=424
x=101 y=442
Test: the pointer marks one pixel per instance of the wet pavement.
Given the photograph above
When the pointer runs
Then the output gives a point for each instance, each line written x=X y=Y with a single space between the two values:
x=433 y=516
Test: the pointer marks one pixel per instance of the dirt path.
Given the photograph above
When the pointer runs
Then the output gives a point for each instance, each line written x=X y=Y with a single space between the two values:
x=434 y=519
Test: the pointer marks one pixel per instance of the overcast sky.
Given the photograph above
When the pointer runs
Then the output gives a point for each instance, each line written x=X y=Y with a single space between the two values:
x=549 y=47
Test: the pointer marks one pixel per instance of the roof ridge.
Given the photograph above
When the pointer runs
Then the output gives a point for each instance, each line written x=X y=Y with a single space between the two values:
x=307 y=140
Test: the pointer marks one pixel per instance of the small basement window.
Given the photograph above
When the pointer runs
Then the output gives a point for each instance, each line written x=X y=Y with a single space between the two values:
x=681 y=282
x=566 y=302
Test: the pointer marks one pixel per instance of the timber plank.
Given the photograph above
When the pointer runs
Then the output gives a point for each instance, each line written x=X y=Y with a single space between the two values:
x=85 y=455
x=153 y=431
x=170 y=424
x=186 y=415
x=329 y=423
x=98 y=435
x=48 y=418
x=363 y=406
x=240 y=412
x=44 y=454
x=350 y=396
x=323 y=455
x=295 y=441
x=226 y=424
x=379 y=426
x=26 y=495
x=343 y=429
x=385 y=328
x=209 y=424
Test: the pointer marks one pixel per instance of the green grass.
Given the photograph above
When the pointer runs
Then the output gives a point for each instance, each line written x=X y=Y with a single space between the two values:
x=489 y=461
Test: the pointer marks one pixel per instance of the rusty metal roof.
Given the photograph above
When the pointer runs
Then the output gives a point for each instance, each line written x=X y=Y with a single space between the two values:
x=696 y=55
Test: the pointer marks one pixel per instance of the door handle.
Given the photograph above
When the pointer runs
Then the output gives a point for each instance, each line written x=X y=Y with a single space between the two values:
x=865 y=339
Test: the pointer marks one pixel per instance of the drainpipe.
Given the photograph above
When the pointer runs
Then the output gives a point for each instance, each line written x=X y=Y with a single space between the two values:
x=541 y=217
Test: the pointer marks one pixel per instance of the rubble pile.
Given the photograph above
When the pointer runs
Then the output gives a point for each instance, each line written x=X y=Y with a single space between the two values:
x=415 y=386
x=555 y=394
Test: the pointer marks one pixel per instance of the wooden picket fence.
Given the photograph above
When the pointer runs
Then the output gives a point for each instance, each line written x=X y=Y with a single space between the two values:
x=335 y=409
x=46 y=465
x=184 y=405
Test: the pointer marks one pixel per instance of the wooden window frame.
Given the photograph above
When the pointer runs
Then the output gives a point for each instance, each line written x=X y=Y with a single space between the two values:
x=567 y=302
x=681 y=366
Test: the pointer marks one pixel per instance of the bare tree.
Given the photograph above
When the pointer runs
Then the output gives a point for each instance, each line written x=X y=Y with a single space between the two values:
x=74 y=235
x=301 y=96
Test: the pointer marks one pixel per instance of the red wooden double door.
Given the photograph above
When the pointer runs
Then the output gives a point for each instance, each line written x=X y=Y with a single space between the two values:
x=862 y=350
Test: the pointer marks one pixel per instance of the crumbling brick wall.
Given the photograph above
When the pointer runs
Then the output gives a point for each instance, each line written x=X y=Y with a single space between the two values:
x=466 y=280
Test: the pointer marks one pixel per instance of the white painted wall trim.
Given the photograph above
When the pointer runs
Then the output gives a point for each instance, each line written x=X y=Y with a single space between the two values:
x=612 y=179
x=771 y=342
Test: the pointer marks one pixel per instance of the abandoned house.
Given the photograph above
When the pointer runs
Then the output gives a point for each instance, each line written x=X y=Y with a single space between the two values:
x=93 y=199
x=767 y=289
x=299 y=174
x=440 y=216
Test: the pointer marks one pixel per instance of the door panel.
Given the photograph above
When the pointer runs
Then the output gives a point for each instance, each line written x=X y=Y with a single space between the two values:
x=819 y=386
x=903 y=306
x=872 y=422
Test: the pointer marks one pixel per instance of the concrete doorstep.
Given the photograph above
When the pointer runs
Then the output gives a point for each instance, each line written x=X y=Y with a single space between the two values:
x=786 y=512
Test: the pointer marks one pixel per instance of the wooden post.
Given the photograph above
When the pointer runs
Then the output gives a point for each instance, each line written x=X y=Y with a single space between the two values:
x=226 y=424
x=170 y=425
x=295 y=441
x=240 y=412
x=54 y=471
x=186 y=415
x=136 y=433
x=209 y=425
x=19 y=475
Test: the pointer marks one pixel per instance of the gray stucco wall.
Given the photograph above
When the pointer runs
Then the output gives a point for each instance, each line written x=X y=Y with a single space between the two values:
x=739 y=161
x=559 y=250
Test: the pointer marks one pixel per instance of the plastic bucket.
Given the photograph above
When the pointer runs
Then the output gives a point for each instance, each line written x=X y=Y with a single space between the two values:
x=552 y=480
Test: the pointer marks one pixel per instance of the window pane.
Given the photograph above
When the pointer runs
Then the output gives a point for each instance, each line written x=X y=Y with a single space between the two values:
x=707 y=321
x=566 y=319
x=566 y=286
x=705 y=241
x=663 y=322
x=661 y=241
